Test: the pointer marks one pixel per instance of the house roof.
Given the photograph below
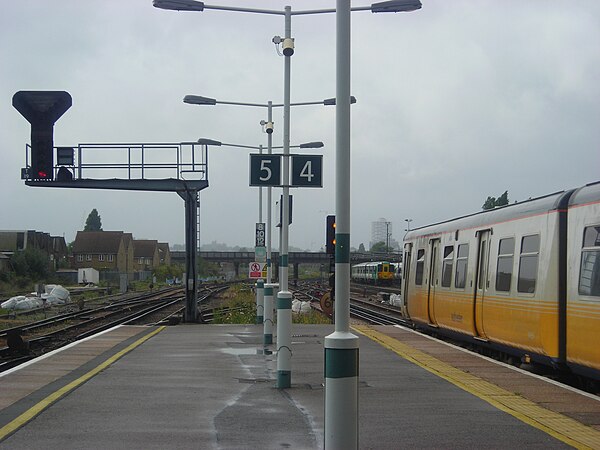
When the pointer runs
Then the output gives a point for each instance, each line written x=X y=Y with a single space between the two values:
x=144 y=248
x=97 y=241
x=163 y=247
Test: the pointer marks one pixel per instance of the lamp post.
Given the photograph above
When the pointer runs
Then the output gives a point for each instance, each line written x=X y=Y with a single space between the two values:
x=341 y=347
x=387 y=236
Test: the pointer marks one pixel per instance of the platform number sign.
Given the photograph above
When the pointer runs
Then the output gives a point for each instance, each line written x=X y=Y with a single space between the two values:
x=260 y=235
x=265 y=170
x=307 y=170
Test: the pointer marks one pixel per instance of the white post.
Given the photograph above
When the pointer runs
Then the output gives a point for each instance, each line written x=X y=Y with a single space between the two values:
x=341 y=347
x=284 y=298
x=260 y=283
x=268 y=317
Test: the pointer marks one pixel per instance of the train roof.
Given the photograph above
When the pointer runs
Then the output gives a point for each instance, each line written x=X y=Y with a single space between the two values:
x=590 y=193
x=527 y=208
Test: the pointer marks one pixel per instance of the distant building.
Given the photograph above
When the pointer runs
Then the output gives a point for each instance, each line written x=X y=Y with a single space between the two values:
x=54 y=247
x=381 y=231
x=164 y=253
x=104 y=250
x=146 y=254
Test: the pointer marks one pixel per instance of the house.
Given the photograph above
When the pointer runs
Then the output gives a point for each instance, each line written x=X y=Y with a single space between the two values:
x=164 y=253
x=104 y=250
x=146 y=254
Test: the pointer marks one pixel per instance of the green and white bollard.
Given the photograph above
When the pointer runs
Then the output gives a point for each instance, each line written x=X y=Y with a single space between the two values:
x=268 y=315
x=284 y=340
x=260 y=301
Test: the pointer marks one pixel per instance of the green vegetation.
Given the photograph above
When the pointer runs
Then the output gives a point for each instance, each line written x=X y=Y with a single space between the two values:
x=242 y=307
x=165 y=271
x=380 y=247
x=313 y=317
x=93 y=221
x=493 y=202
x=242 y=304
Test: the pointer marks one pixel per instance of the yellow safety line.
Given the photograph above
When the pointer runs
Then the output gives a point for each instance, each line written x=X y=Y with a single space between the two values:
x=32 y=412
x=557 y=425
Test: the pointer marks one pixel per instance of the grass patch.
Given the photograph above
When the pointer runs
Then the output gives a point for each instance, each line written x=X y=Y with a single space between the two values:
x=311 y=318
x=241 y=305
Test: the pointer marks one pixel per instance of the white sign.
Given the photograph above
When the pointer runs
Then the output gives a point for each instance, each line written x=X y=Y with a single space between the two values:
x=257 y=270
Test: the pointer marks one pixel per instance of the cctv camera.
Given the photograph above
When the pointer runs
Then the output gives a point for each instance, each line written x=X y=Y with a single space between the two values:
x=288 y=46
x=269 y=127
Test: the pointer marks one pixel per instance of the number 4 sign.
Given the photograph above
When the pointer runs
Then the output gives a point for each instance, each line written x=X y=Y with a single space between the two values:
x=307 y=170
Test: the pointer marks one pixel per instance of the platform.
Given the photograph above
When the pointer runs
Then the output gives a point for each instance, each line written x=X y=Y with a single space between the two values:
x=213 y=386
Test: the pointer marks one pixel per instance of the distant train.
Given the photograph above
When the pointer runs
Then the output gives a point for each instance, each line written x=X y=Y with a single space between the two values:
x=522 y=280
x=379 y=272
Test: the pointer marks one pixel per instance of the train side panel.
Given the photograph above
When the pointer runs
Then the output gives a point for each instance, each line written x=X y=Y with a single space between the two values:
x=583 y=289
x=491 y=276
x=520 y=306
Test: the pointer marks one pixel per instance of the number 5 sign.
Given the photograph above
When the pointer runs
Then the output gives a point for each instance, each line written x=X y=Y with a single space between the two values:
x=265 y=170
x=307 y=170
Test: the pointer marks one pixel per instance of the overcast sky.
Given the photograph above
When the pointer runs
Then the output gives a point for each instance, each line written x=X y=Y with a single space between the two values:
x=457 y=101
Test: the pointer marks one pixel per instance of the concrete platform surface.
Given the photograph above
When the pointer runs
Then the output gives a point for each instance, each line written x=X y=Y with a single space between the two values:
x=213 y=387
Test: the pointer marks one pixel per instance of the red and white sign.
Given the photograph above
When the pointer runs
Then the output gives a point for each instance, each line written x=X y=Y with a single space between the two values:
x=257 y=270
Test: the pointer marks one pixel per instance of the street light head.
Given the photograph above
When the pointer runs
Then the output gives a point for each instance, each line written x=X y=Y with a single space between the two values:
x=179 y=5
x=205 y=141
x=331 y=101
x=396 y=6
x=198 y=100
x=318 y=144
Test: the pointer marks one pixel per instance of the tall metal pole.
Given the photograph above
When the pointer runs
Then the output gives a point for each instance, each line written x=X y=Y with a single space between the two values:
x=341 y=347
x=260 y=283
x=269 y=198
x=284 y=297
x=191 y=220
x=268 y=298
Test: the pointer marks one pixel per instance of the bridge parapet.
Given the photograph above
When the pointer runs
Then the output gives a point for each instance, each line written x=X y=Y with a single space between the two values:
x=294 y=257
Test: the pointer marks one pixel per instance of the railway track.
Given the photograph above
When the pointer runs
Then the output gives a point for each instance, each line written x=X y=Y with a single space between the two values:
x=27 y=341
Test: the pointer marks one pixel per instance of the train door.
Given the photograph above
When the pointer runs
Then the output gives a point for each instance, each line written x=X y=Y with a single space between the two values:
x=405 y=275
x=481 y=279
x=434 y=245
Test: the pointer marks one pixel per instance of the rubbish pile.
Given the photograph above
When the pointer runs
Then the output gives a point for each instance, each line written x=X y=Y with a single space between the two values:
x=54 y=294
x=300 y=307
x=395 y=300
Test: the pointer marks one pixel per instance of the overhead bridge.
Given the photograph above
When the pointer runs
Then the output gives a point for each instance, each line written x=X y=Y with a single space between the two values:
x=294 y=258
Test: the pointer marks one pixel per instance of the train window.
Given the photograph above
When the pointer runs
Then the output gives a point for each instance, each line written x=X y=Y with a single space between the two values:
x=589 y=274
x=420 y=267
x=462 y=258
x=506 y=250
x=447 y=265
x=528 y=264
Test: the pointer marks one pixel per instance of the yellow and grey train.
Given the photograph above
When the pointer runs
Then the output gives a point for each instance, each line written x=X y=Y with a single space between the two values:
x=377 y=272
x=522 y=280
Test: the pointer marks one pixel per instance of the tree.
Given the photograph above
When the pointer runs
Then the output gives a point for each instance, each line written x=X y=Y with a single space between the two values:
x=361 y=248
x=493 y=202
x=93 y=221
x=30 y=262
x=503 y=199
x=380 y=247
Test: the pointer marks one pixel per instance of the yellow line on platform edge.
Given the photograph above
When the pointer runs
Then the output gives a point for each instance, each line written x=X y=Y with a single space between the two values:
x=32 y=412
x=579 y=435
